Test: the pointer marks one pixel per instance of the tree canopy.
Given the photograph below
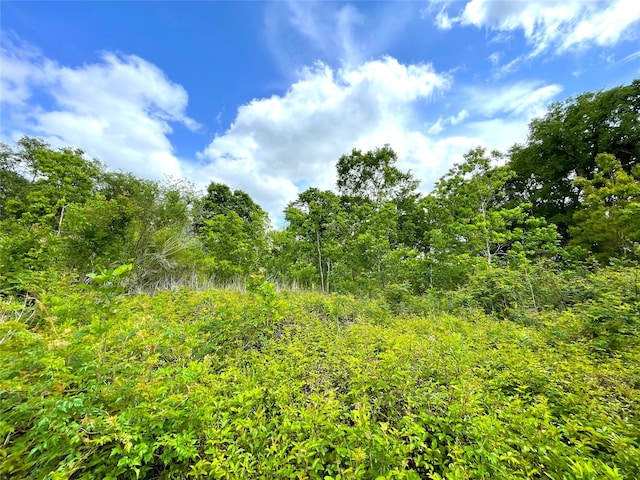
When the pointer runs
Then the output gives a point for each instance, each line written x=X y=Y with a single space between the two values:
x=564 y=145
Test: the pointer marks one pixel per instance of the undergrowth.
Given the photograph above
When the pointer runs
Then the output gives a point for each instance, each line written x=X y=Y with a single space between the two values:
x=225 y=384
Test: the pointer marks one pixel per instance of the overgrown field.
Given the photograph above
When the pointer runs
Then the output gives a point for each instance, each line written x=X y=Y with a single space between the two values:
x=303 y=385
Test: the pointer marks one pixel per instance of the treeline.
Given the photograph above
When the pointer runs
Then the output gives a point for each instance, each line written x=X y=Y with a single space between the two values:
x=566 y=198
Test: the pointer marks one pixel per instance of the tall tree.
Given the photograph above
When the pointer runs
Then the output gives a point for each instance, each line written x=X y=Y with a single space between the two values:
x=37 y=187
x=233 y=229
x=608 y=224
x=470 y=219
x=564 y=144
x=374 y=176
x=13 y=186
x=221 y=200
x=317 y=220
x=51 y=181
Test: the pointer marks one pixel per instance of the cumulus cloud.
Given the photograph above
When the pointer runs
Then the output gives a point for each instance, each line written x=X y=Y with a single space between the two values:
x=122 y=109
x=119 y=109
x=558 y=25
x=279 y=145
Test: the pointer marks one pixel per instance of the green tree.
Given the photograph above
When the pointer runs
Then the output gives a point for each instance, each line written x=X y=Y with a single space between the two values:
x=471 y=219
x=290 y=259
x=608 y=224
x=316 y=220
x=39 y=185
x=471 y=197
x=30 y=258
x=51 y=181
x=232 y=249
x=221 y=200
x=99 y=231
x=374 y=176
x=564 y=144
x=381 y=202
x=13 y=186
x=233 y=231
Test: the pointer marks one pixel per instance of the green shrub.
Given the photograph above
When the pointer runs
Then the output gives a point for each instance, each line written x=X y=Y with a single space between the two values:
x=269 y=384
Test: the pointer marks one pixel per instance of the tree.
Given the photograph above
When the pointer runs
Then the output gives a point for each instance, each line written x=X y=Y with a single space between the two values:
x=13 y=186
x=51 y=180
x=38 y=187
x=564 y=144
x=316 y=219
x=221 y=200
x=471 y=195
x=471 y=220
x=608 y=224
x=290 y=259
x=231 y=248
x=233 y=230
x=373 y=176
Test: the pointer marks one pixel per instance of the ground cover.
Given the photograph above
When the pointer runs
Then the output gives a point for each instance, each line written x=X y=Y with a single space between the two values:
x=226 y=384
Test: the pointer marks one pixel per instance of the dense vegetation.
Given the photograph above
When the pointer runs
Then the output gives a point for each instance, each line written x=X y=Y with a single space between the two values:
x=485 y=330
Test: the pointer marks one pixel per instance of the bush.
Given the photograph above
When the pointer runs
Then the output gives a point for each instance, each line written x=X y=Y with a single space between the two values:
x=269 y=384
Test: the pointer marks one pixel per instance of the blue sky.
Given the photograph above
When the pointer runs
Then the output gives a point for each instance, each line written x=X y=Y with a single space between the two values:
x=266 y=96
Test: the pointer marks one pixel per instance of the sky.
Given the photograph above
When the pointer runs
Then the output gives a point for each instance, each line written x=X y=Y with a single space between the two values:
x=266 y=96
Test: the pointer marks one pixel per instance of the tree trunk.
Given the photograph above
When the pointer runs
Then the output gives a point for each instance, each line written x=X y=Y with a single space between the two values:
x=320 y=260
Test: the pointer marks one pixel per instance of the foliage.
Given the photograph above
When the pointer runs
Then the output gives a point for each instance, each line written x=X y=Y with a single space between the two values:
x=317 y=219
x=108 y=281
x=232 y=231
x=608 y=223
x=460 y=340
x=276 y=385
x=373 y=176
x=611 y=317
x=28 y=258
x=564 y=145
x=473 y=228
x=58 y=178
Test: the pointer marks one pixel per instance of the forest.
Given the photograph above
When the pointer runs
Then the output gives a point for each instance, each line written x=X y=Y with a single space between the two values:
x=487 y=329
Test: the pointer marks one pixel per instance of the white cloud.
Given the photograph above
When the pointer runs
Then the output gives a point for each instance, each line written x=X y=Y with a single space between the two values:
x=278 y=145
x=299 y=33
x=631 y=57
x=459 y=117
x=607 y=26
x=510 y=67
x=119 y=109
x=436 y=128
x=17 y=72
x=443 y=22
x=440 y=125
x=499 y=116
x=523 y=100
x=295 y=28
x=558 y=25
